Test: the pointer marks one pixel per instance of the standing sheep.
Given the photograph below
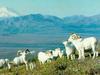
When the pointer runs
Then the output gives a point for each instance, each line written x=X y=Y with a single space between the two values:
x=25 y=57
x=84 y=44
x=5 y=63
x=69 y=49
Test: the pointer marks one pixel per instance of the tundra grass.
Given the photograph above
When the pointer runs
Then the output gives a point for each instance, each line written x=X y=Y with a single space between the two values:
x=61 y=66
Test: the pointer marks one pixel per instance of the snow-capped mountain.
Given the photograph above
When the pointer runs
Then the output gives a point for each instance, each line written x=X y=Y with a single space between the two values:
x=5 y=12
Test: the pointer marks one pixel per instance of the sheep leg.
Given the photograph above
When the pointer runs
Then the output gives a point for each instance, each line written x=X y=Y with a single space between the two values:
x=79 y=53
x=71 y=57
x=16 y=67
x=9 y=66
x=67 y=56
x=31 y=66
x=94 y=53
x=83 y=56
x=90 y=55
x=26 y=65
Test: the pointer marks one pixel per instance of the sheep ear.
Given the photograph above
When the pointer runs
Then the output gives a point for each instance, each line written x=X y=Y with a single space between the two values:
x=19 y=52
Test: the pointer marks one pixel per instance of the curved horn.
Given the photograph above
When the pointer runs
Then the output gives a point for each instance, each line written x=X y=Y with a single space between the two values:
x=19 y=52
x=27 y=50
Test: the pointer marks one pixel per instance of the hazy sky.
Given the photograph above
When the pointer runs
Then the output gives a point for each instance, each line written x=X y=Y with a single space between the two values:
x=59 y=8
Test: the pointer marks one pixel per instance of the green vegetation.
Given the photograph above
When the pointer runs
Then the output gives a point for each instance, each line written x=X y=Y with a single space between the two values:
x=61 y=66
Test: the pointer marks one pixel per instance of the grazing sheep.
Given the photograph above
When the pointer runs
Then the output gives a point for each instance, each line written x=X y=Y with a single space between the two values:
x=5 y=63
x=69 y=49
x=44 y=57
x=83 y=44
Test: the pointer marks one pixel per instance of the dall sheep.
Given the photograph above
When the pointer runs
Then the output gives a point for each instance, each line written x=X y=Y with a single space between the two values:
x=44 y=57
x=84 y=44
x=5 y=63
x=25 y=57
x=69 y=50
x=57 y=53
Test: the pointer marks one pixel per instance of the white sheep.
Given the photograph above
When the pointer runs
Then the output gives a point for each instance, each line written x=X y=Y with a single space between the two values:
x=44 y=57
x=69 y=50
x=57 y=53
x=25 y=57
x=5 y=63
x=19 y=59
x=84 y=44
x=30 y=57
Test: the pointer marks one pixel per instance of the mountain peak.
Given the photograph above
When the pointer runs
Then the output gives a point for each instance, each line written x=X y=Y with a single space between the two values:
x=5 y=12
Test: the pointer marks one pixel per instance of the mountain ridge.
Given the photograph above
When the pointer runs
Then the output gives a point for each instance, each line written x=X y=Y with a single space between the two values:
x=36 y=21
x=44 y=27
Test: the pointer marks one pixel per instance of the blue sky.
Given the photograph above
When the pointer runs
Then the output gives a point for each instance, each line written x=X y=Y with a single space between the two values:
x=59 y=8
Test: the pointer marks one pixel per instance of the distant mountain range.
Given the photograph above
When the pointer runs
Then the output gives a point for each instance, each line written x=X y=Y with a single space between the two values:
x=41 y=26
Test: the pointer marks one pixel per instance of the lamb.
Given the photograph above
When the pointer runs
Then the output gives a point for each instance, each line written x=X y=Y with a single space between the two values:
x=69 y=49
